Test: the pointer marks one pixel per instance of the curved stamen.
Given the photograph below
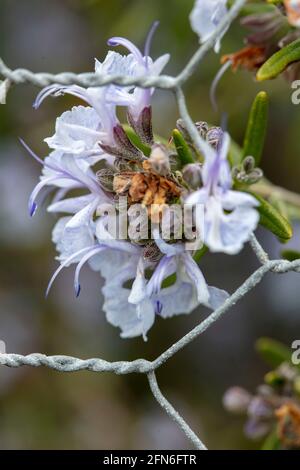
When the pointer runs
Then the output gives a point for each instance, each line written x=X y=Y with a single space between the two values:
x=65 y=263
x=149 y=40
x=118 y=41
x=158 y=307
x=59 y=90
x=62 y=173
x=37 y=158
x=43 y=94
x=215 y=83
x=84 y=259
x=32 y=205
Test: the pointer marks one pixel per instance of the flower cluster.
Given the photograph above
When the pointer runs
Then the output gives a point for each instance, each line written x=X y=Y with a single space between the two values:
x=273 y=411
x=96 y=162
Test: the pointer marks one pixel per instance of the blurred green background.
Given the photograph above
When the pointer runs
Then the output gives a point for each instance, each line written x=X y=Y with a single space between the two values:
x=40 y=408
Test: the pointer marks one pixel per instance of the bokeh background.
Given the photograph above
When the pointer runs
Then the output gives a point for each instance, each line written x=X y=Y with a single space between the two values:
x=42 y=409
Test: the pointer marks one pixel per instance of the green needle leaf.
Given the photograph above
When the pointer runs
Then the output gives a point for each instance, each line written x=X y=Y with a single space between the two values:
x=290 y=255
x=183 y=150
x=136 y=140
x=257 y=127
x=272 y=220
x=279 y=61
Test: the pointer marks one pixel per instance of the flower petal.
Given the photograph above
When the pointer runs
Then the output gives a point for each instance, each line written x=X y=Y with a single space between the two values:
x=72 y=204
x=194 y=273
x=77 y=131
x=227 y=233
x=206 y=16
x=233 y=199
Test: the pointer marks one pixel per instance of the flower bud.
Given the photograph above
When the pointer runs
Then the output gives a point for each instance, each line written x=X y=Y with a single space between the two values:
x=254 y=176
x=246 y=172
x=214 y=135
x=151 y=252
x=159 y=159
x=180 y=125
x=236 y=400
x=106 y=179
x=248 y=163
x=260 y=408
x=192 y=175
x=202 y=127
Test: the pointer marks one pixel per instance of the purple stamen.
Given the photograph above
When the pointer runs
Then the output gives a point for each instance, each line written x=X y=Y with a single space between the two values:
x=215 y=83
x=64 y=264
x=84 y=259
x=32 y=199
x=149 y=40
x=32 y=209
x=118 y=41
x=34 y=155
x=159 y=307
x=47 y=91
x=39 y=160
x=62 y=173
x=59 y=90
x=77 y=293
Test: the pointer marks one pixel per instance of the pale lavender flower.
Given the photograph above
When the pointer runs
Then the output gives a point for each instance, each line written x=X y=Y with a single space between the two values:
x=103 y=101
x=78 y=132
x=139 y=108
x=206 y=16
x=230 y=216
x=62 y=173
x=142 y=278
x=134 y=309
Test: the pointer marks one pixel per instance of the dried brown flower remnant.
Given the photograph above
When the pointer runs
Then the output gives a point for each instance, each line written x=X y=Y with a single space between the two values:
x=159 y=160
x=288 y=416
x=249 y=58
x=148 y=188
x=121 y=183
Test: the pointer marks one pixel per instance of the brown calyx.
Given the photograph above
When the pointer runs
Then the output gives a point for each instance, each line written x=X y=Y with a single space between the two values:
x=249 y=58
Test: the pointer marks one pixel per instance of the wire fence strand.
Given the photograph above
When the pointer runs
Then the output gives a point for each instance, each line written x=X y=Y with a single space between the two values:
x=170 y=410
x=73 y=364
